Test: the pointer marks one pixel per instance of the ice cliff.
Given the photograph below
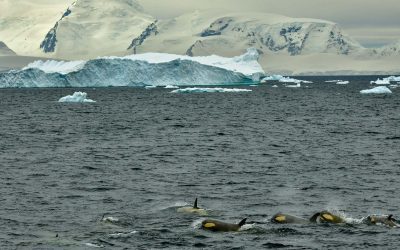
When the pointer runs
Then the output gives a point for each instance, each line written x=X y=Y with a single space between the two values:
x=154 y=69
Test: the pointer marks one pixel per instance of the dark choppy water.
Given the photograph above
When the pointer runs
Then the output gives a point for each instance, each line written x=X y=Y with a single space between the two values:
x=138 y=154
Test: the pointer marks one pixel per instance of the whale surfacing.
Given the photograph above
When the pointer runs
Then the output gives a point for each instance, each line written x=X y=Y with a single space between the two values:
x=327 y=217
x=192 y=210
x=219 y=226
x=281 y=218
x=387 y=220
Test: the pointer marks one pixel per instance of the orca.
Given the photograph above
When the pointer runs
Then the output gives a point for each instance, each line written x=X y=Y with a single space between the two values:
x=281 y=218
x=327 y=217
x=192 y=210
x=387 y=220
x=219 y=226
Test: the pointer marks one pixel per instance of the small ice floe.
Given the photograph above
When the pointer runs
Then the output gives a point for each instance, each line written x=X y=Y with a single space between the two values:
x=150 y=87
x=384 y=81
x=333 y=81
x=282 y=79
x=76 y=97
x=210 y=90
x=342 y=82
x=110 y=219
x=377 y=90
x=94 y=245
x=171 y=87
x=275 y=86
x=298 y=85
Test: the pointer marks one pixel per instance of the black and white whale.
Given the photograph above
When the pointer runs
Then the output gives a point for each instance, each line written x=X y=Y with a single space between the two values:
x=281 y=218
x=387 y=220
x=219 y=226
x=193 y=210
x=327 y=217
x=320 y=217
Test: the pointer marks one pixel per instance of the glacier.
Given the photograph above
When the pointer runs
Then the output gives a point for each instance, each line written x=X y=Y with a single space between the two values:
x=155 y=69
x=377 y=90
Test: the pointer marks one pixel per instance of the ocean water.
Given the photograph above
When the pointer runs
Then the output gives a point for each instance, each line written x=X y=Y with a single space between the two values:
x=136 y=155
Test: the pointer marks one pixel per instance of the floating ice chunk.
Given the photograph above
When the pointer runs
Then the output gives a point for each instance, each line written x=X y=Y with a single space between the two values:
x=76 y=97
x=298 y=85
x=94 y=245
x=110 y=219
x=150 y=87
x=275 y=86
x=377 y=90
x=384 y=81
x=334 y=81
x=171 y=87
x=209 y=90
x=393 y=78
x=342 y=82
x=272 y=78
x=282 y=79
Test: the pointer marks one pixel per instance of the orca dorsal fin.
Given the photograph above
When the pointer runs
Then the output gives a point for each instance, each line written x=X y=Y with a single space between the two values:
x=314 y=217
x=241 y=223
x=390 y=217
x=195 y=204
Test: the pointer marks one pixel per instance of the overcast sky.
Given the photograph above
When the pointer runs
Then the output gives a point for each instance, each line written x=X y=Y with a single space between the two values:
x=371 y=22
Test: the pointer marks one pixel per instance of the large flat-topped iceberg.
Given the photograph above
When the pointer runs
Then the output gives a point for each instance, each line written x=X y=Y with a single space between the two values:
x=154 y=69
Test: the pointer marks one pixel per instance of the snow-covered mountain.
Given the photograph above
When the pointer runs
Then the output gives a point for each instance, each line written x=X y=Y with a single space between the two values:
x=87 y=29
x=91 y=28
x=5 y=51
x=202 y=33
x=389 y=50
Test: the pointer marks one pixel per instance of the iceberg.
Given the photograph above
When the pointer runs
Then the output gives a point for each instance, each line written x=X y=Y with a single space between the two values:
x=210 y=90
x=298 y=85
x=381 y=82
x=377 y=90
x=156 y=69
x=76 y=97
x=283 y=79
x=171 y=87
x=386 y=81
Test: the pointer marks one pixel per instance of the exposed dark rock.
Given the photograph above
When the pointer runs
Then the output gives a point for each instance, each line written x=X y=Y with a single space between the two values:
x=152 y=29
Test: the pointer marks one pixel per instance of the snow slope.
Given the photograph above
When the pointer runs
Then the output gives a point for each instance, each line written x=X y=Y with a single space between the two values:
x=205 y=32
x=24 y=23
x=131 y=71
x=91 y=28
x=5 y=51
